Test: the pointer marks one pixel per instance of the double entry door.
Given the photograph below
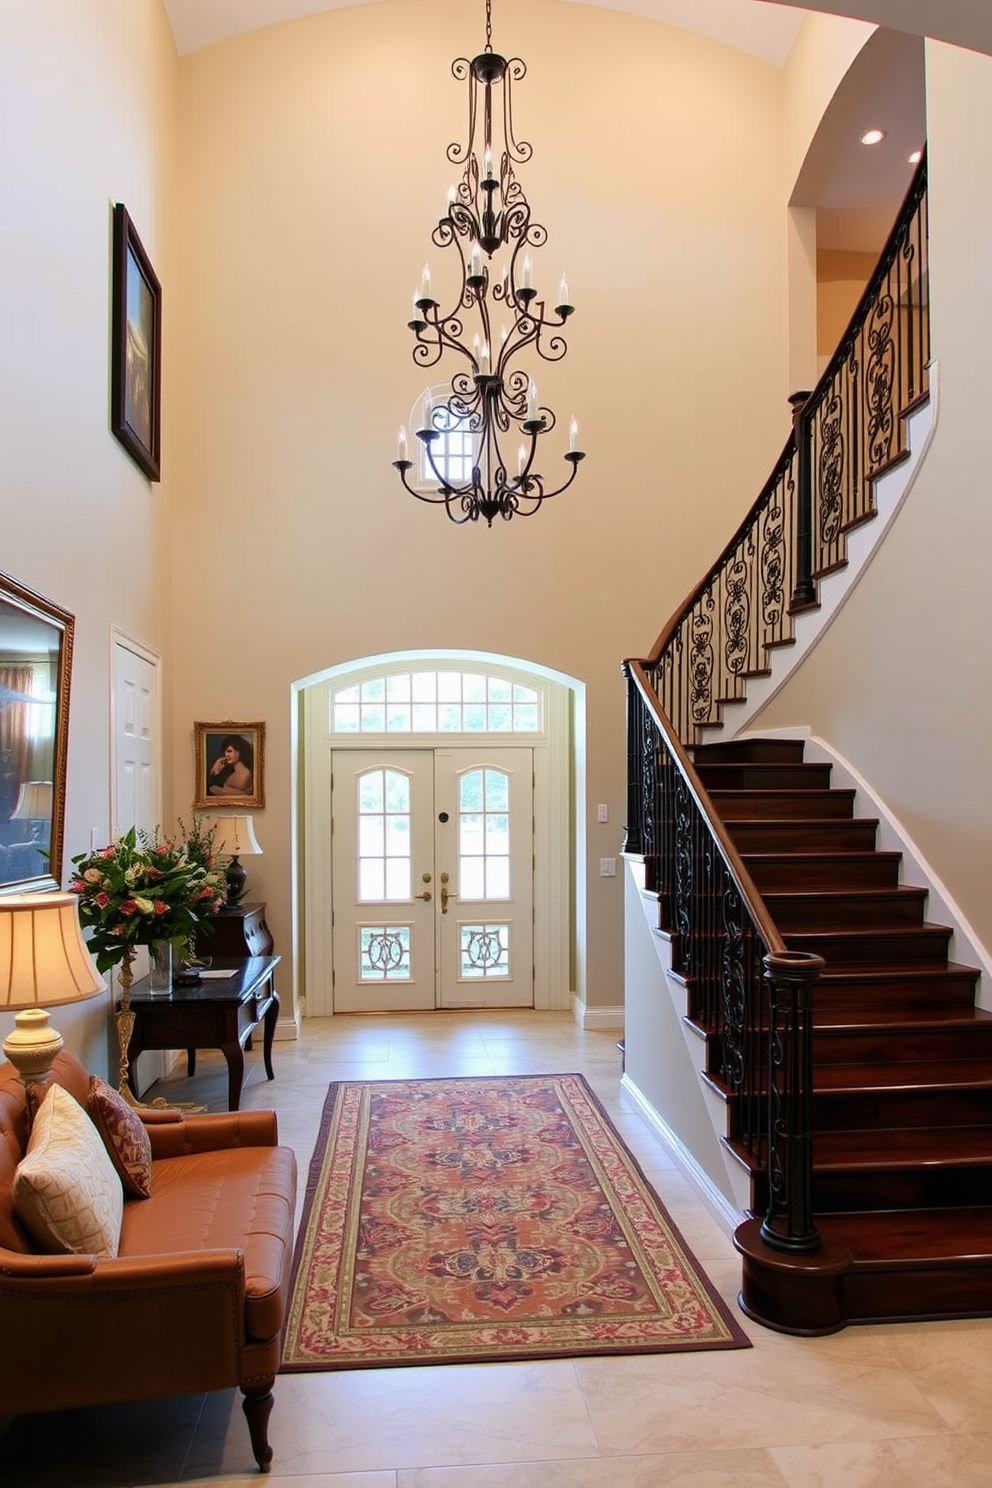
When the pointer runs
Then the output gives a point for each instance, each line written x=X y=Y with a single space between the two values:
x=432 y=864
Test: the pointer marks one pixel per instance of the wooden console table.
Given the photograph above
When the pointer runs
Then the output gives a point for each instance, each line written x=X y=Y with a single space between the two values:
x=219 y=1013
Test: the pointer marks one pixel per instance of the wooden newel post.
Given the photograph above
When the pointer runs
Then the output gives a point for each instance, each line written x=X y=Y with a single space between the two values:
x=790 y=977
x=804 y=592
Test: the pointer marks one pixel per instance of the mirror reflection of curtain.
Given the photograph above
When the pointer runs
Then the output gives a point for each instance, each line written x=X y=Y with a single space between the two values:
x=15 y=734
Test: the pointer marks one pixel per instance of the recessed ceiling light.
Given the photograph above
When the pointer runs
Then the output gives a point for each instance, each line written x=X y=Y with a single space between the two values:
x=873 y=136
x=916 y=157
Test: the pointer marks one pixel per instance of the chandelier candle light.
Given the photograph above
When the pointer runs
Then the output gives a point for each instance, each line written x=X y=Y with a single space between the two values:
x=496 y=398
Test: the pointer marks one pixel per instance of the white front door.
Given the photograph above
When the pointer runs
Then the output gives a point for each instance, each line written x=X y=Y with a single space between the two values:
x=432 y=864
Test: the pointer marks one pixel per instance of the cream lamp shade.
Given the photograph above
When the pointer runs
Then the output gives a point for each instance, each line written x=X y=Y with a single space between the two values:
x=34 y=803
x=43 y=963
x=234 y=836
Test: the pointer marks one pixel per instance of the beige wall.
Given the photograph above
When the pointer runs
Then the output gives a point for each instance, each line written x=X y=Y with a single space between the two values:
x=312 y=169
x=901 y=683
x=840 y=283
x=89 y=100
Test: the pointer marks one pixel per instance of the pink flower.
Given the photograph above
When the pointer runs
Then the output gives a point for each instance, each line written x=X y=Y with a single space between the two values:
x=106 y=852
x=152 y=872
x=129 y=907
x=102 y=899
x=161 y=907
x=93 y=875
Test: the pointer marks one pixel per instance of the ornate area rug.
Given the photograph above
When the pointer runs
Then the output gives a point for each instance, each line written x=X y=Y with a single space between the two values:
x=492 y=1218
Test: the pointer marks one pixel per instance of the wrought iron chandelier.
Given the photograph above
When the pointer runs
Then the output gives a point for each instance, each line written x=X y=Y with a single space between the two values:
x=494 y=398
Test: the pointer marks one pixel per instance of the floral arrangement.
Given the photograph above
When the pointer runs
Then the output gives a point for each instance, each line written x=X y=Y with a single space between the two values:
x=145 y=888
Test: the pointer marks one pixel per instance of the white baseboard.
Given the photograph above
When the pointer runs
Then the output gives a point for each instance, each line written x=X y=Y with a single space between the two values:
x=719 y=1206
x=598 y=1019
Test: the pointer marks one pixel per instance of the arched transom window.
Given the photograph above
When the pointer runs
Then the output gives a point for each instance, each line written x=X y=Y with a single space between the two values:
x=436 y=702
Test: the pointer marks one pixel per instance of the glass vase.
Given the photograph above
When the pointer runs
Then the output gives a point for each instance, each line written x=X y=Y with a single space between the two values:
x=160 y=968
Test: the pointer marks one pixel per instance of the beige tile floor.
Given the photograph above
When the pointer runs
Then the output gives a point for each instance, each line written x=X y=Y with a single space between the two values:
x=877 y=1407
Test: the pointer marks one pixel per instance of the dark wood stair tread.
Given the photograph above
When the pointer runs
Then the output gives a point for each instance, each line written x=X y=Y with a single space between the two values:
x=912 y=1236
x=938 y=1018
x=911 y=1074
x=904 y=1147
x=895 y=971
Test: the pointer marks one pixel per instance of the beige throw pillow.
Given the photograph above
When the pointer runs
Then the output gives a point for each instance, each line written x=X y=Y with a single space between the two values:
x=66 y=1192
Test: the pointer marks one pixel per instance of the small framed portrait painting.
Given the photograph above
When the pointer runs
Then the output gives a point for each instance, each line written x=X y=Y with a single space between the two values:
x=136 y=361
x=230 y=764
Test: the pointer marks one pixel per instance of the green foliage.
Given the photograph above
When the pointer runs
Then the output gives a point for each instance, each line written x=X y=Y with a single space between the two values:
x=144 y=888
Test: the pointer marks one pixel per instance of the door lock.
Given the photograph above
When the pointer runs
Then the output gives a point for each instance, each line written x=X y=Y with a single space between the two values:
x=426 y=896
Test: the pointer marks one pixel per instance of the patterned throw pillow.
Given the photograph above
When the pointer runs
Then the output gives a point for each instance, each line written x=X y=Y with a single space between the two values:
x=66 y=1192
x=124 y=1136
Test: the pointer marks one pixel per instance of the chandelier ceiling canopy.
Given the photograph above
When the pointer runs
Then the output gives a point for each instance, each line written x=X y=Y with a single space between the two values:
x=492 y=399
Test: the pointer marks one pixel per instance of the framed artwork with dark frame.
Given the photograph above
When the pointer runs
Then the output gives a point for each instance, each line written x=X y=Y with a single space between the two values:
x=230 y=764
x=136 y=359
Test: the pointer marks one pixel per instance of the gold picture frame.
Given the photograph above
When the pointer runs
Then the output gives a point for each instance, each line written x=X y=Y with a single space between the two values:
x=230 y=765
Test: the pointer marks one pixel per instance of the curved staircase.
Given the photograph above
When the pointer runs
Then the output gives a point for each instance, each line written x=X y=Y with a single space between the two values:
x=901 y=1096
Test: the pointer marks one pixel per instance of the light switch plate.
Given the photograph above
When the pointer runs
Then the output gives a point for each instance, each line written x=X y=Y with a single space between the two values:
x=607 y=867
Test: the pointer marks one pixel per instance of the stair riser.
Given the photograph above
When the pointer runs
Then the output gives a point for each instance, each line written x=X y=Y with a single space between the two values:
x=771 y=751
x=836 y=835
x=875 y=1111
x=837 y=949
x=897 y=1046
x=783 y=805
x=764 y=777
x=820 y=1304
x=901 y=1294
x=842 y=911
x=873 y=871
x=843 y=1190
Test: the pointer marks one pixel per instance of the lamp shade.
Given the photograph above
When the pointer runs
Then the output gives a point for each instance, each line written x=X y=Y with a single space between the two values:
x=235 y=836
x=43 y=957
x=43 y=963
x=34 y=803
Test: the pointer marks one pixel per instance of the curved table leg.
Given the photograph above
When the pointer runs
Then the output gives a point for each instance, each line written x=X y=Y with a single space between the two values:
x=269 y=1027
x=234 y=1055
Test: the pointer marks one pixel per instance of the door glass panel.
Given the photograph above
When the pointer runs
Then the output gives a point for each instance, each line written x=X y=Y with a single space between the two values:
x=484 y=834
x=384 y=953
x=383 y=836
x=485 y=951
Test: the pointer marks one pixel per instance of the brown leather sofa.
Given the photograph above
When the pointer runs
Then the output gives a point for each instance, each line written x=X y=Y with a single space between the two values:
x=195 y=1299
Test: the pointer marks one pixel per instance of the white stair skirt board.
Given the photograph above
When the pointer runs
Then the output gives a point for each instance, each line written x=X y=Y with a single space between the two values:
x=598 y=1019
x=726 y=1216
x=668 y=1084
x=942 y=908
x=891 y=490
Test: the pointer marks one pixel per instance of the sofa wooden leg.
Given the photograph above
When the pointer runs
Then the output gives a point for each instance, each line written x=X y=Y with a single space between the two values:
x=257 y=1406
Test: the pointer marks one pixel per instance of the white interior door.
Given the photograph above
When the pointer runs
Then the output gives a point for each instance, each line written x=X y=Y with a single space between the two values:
x=432 y=867
x=137 y=793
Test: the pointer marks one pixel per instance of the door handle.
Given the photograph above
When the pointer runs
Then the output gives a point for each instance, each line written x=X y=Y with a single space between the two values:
x=426 y=896
x=446 y=894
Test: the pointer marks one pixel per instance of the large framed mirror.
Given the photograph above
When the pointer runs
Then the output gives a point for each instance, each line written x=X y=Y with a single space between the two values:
x=35 y=670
